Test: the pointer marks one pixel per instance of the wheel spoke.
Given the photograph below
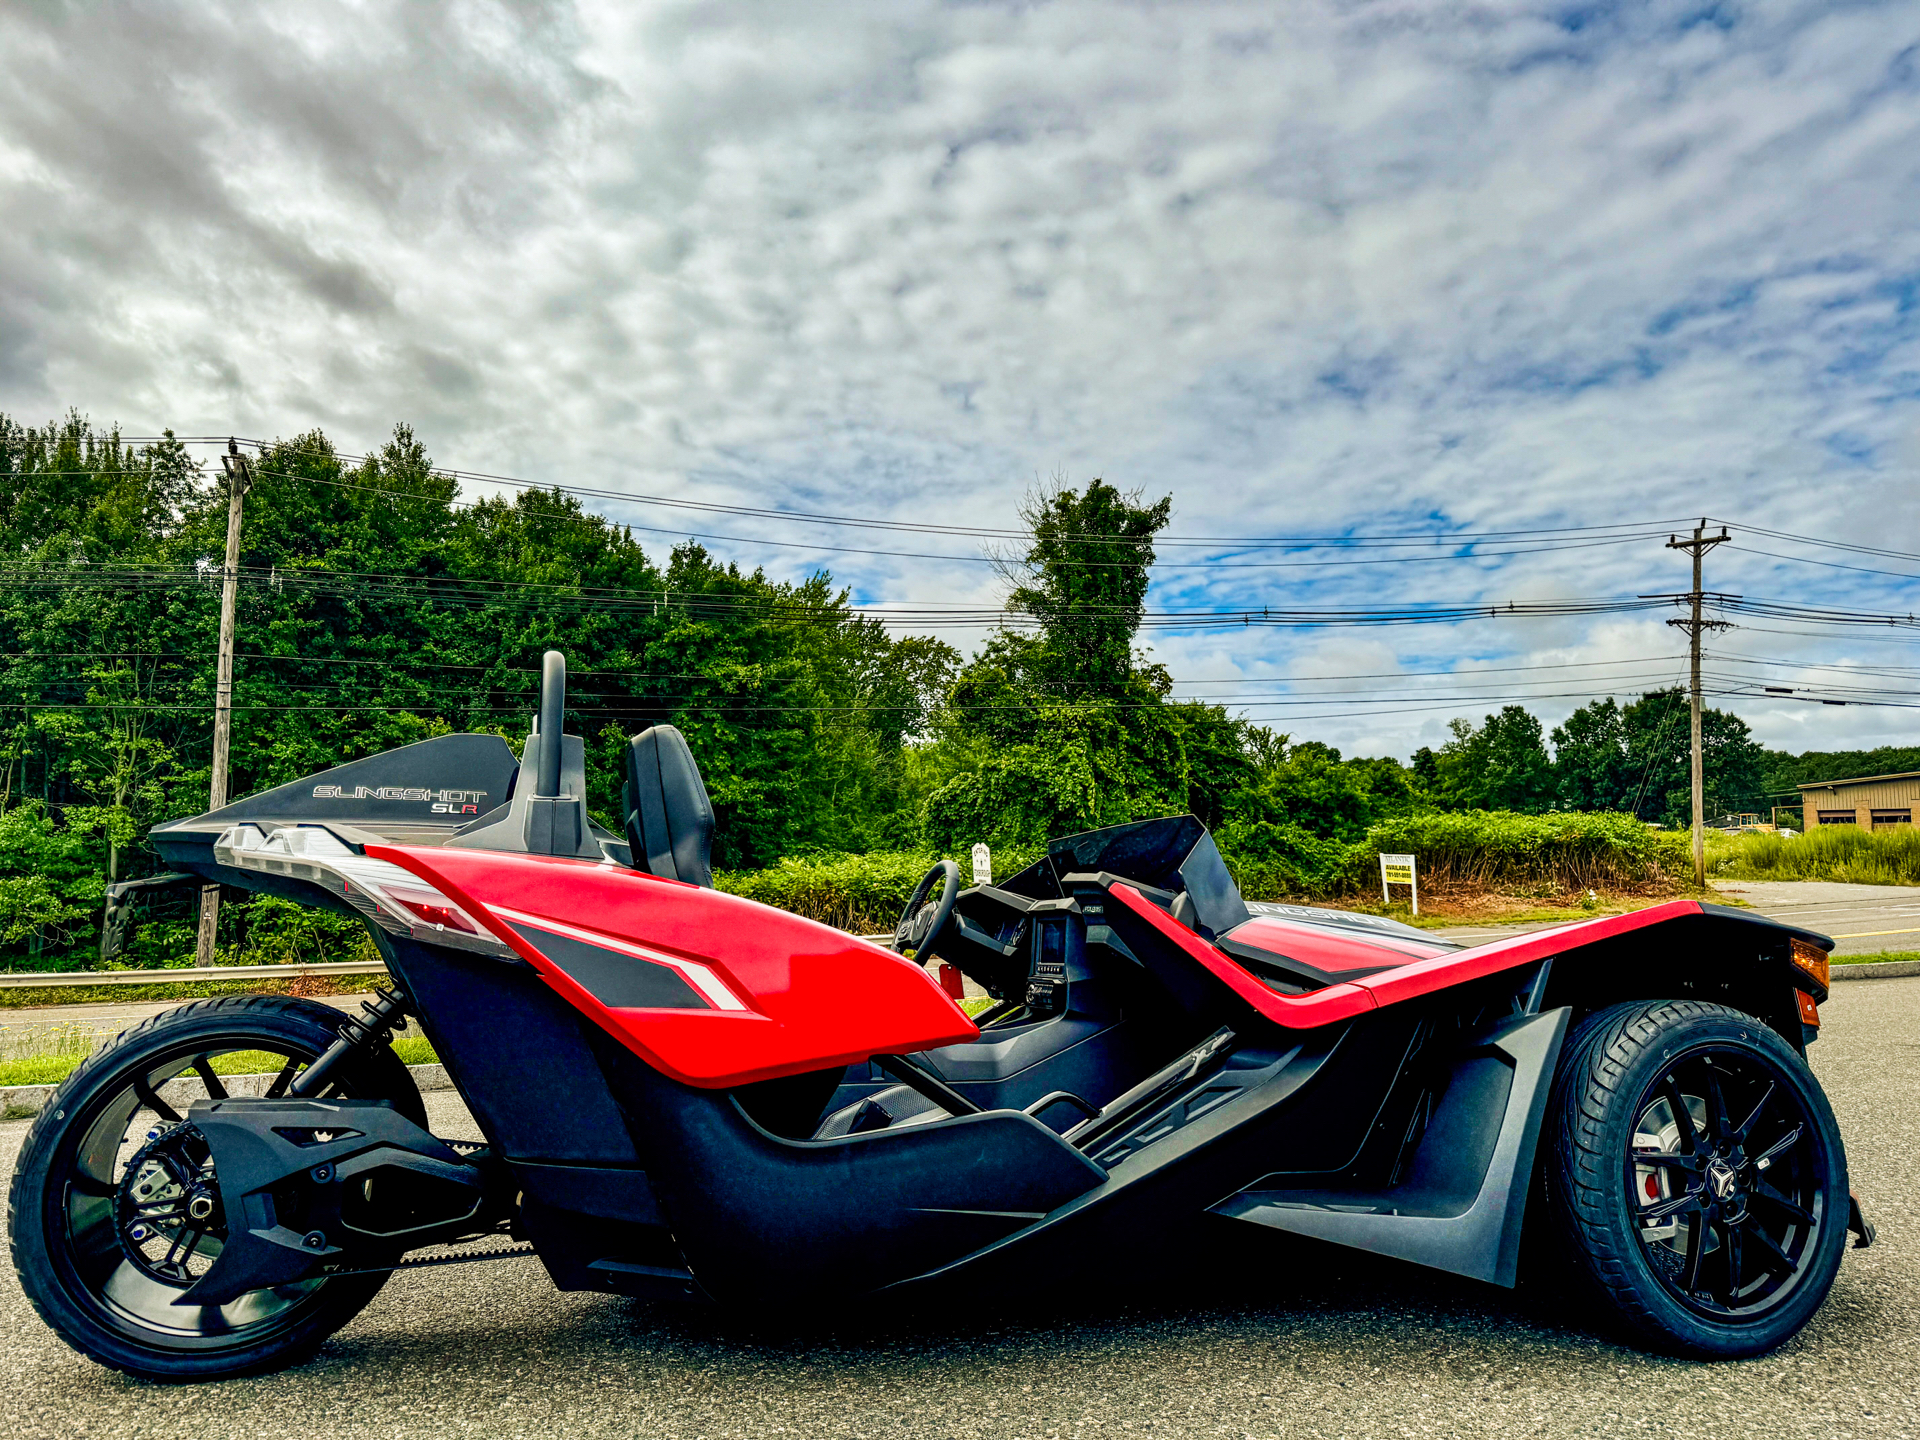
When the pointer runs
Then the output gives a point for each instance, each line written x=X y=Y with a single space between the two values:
x=1732 y=1259
x=1773 y=1259
x=1762 y=1191
x=1697 y=1246
x=152 y=1102
x=1683 y=1118
x=1717 y=1104
x=1668 y=1158
x=1673 y=1206
x=204 y=1068
x=1741 y=1132
x=1779 y=1146
x=279 y=1086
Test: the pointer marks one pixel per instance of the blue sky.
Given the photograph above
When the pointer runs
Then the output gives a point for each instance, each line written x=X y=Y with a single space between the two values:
x=1335 y=268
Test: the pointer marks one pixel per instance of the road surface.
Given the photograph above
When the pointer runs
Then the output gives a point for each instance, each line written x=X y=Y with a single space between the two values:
x=1270 y=1337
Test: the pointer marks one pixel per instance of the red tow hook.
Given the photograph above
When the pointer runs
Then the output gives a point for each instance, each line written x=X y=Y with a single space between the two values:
x=1862 y=1227
x=951 y=981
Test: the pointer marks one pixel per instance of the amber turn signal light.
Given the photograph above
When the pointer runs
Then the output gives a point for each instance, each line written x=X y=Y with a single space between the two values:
x=1810 y=1015
x=1811 y=960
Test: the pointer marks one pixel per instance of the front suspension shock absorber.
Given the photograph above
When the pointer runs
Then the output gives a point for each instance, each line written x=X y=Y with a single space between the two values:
x=376 y=1023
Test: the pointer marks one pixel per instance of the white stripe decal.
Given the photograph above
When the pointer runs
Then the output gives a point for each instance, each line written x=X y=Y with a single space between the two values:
x=700 y=977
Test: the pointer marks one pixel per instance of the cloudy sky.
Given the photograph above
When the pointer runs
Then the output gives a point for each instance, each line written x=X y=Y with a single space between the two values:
x=1311 y=268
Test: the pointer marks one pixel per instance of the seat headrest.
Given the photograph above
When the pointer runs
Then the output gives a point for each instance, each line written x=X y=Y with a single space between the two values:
x=670 y=823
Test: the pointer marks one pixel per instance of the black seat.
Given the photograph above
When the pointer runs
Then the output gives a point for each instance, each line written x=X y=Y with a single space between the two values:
x=670 y=822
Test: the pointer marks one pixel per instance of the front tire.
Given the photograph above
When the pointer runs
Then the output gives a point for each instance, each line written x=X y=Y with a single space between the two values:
x=1696 y=1177
x=105 y=1286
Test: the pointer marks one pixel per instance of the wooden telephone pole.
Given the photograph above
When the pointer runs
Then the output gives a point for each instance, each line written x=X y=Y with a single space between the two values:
x=238 y=479
x=1697 y=546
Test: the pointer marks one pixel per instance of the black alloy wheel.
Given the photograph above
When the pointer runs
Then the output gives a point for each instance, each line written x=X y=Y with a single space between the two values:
x=115 y=1208
x=1725 y=1165
x=1698 y=1177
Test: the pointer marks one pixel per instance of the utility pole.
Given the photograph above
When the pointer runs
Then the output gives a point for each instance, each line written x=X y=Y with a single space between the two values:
x=1697 y=546
x=238 y=479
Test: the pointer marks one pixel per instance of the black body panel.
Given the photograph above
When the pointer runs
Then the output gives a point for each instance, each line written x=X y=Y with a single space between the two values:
x=770 y=1220
x=519 y=1055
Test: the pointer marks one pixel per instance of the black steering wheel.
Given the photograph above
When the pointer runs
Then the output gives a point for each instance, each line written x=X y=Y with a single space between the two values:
x=923 y=920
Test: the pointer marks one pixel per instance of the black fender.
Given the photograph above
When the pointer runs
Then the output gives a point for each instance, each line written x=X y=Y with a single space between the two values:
x=1721 y=954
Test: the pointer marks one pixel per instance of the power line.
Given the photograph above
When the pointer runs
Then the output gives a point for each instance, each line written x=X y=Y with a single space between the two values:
x=931 y=528
x=450 y=591
x=1830 y=564
x=1815 y=540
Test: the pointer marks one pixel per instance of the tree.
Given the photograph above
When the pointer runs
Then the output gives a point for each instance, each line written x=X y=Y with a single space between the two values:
x=1084 y=579
x=1069 y=728
x=1657 y=788
x=1591 y=758
x=1501 y=765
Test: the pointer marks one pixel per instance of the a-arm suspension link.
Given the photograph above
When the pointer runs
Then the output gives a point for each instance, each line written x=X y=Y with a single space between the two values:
x=377 y=1021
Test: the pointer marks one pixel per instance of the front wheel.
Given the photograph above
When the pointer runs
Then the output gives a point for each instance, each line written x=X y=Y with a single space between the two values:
x=114 y=1209
x=1696 y=1176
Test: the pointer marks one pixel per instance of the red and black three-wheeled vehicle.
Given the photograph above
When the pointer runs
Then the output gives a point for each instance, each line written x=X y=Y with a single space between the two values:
x=687 y=1094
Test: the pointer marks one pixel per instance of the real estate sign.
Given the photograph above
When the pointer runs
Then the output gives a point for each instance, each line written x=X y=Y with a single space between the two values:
x=1399 y=871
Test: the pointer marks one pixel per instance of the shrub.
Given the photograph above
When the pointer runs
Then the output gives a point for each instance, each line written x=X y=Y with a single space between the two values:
x=864 y=894
x=1271 y=859
x=1495 y=850
x=1826 y=853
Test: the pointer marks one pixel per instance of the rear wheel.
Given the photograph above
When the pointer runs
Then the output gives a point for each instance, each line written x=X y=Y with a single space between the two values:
x=1697 y=1177
x=114 y=1210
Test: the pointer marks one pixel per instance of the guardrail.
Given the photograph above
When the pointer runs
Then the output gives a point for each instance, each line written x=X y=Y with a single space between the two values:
x=22 y=979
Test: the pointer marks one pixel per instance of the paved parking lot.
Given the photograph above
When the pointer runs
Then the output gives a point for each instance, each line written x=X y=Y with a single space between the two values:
x=1247 y=1334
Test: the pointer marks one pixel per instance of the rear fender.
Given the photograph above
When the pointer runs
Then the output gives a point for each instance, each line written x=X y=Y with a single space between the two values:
x=1719 y=954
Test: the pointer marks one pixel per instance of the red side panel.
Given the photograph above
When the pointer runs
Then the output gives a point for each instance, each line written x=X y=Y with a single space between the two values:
x=1385 y=988
x=744 y=992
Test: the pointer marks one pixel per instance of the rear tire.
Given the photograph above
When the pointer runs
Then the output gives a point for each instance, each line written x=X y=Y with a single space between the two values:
x=61 y=1209
x=1695 y=1177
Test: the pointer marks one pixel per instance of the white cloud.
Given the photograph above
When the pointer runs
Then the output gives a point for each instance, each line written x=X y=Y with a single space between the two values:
x=1327 y=267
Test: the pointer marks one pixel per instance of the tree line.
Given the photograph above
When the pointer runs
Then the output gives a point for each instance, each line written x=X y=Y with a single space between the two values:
x=379 y=608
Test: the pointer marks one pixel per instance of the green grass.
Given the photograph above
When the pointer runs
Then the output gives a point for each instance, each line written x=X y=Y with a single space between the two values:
x=27 y=997
x=1874 y=958
x=65 y=1052
x=1826 y=853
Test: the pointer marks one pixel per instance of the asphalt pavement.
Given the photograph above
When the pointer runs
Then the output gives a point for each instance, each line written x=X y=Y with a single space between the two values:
x=1860 y=919
x=1244 y=1334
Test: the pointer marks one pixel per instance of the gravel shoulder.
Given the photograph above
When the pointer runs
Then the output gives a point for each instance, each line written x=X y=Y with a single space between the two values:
x=1245 y=1334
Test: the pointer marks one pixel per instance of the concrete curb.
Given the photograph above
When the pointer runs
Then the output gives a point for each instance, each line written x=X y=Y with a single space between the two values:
x=18 y=1102
x=1877 y=971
